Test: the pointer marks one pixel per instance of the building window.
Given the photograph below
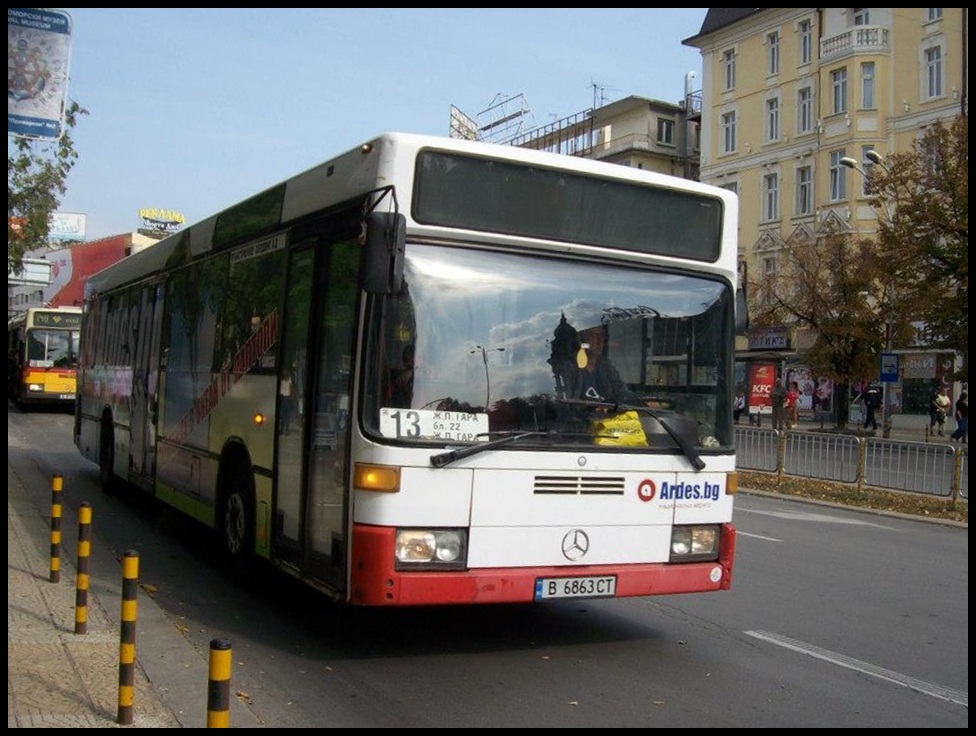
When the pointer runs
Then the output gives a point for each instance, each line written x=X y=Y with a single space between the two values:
x=772 y=53
x=806 y=41
x=804 y=110
x=929 y=155
x=804 y=190
x=768 y=278
x=932 y=14
x=770 y=197
x=933 y=72
x=732 y=186
x=838 y=83
x=867 y=166
x=728 y=132
x=867 y=85
x=665 y=131
x=772 y=119
x=861 y=16
x=728 y=66
x=838 y=176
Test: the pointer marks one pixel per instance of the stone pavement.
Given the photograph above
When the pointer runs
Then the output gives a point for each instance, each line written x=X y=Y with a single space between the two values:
x=56 y=678
x=59 y=679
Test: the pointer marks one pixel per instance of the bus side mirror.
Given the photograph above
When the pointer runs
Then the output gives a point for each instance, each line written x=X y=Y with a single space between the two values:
x=386 y=236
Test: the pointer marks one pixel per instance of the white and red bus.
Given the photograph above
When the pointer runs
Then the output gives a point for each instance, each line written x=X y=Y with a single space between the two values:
x=42 y=356
x=362 y=376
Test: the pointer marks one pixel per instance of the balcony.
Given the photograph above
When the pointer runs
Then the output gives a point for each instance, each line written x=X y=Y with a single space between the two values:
x=572 y=136
x=630 y=142
x=855 y=40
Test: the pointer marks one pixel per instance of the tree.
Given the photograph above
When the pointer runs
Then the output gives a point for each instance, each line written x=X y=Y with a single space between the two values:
x=36 y=175
x=922 y=199
x=835 y=287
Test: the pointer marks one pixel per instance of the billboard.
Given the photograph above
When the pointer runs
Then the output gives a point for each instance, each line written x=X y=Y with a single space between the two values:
x=38 y=51
x=66 y=226
x=762 y=378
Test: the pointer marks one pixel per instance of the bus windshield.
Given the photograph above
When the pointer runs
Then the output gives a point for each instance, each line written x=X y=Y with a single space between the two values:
x=478 y=344
x=52 y=348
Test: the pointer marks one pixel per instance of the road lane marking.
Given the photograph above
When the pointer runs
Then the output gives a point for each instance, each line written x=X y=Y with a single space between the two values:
x=807 y=516
x=926 y=688
x=739 y=533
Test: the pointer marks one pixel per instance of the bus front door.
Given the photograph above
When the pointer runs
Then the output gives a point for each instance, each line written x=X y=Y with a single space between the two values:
x=315 y=379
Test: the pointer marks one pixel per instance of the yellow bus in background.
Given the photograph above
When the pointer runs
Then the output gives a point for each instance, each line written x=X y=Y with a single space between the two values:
x=42 y=356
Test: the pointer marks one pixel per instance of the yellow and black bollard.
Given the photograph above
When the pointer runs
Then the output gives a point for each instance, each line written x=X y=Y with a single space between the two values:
x=57 y=482
x=84 y=553
x=218 y=686
x=127 y=639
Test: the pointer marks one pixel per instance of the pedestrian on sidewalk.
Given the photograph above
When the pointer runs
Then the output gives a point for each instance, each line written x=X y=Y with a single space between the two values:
x=778 y=399
x=739 y=405
x=792 y=403
x=962 y=419
x=871 y=400
x=939 y=410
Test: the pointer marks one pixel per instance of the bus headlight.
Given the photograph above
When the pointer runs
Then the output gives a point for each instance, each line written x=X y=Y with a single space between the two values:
x=431 y=549
x=694 y=543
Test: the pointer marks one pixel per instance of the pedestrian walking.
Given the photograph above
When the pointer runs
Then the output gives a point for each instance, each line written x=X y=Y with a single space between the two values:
x=872 y=400
x=962 y=419
x=792 y=404
x=939 y=410
x=739 y=406
x=778 y=399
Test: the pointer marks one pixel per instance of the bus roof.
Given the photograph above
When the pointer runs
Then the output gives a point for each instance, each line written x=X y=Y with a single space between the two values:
x=351 y=174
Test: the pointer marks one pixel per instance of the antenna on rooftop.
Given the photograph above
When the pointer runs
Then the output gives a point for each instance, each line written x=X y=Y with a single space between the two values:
x=598 y=91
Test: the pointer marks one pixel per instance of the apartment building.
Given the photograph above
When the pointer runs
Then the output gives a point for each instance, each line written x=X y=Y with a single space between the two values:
x=789 y=92
x=634 y=131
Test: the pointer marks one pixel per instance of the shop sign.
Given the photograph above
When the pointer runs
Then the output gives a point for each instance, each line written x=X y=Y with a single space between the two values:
x=919 y=365
x=769 y=339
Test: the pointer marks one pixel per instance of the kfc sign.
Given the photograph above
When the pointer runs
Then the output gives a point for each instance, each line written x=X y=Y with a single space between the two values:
x=762 y=378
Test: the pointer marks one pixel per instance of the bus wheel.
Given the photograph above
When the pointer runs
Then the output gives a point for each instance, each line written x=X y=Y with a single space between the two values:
x=106 y=455
x=237 y=515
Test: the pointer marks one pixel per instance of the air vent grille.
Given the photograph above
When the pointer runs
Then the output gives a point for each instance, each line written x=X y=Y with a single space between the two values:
x=599 y=485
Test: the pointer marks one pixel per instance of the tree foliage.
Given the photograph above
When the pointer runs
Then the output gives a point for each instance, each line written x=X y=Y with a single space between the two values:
x=836 y=288
x=922 y=198
x=36 y=175
x=862 y=295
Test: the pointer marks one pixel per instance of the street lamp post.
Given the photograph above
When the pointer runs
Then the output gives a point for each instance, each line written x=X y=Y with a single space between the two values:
x=875 y=158
x=484 y=357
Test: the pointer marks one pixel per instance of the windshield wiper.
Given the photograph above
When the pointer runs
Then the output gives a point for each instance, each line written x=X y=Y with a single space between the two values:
x=686 y=447
x=443 y=458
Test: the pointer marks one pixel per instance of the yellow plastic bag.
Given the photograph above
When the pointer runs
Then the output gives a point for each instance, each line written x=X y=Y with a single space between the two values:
x=619 y=430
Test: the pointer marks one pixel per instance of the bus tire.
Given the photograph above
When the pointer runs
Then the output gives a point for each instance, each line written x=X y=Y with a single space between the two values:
x=106 y=454
x=236 y=512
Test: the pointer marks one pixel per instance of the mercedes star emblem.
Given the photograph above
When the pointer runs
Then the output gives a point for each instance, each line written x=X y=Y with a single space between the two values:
x=575 y=545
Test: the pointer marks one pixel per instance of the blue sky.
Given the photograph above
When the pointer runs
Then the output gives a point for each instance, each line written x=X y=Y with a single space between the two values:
x=195 y=109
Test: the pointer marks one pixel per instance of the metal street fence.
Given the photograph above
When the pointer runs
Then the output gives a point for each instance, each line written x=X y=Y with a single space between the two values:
x=935 y=469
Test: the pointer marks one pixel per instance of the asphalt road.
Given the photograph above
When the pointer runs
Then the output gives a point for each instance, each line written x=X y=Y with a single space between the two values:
x=836 y=618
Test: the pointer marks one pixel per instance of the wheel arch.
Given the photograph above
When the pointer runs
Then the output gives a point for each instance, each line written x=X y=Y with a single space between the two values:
x=235 y=475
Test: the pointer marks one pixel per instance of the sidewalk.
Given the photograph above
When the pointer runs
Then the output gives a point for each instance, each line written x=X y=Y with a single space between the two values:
x=59 y=679
x=56 y=678
x=903 y=429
